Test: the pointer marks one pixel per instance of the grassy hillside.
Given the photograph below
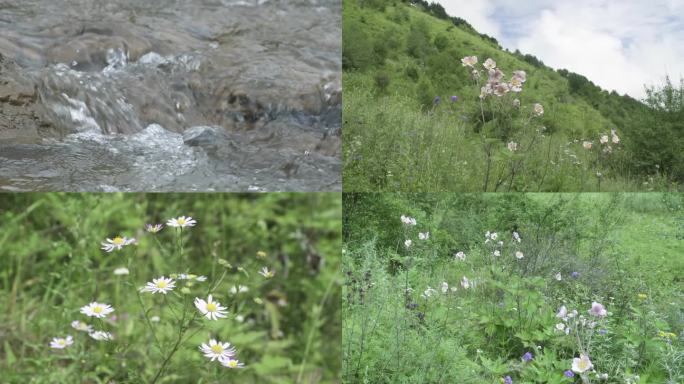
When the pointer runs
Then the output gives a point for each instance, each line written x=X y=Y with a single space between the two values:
x=420 y=313
x=399 y=57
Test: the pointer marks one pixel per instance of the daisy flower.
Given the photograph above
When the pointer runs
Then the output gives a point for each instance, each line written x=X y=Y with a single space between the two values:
x=81 y=326
x=96 y=309
x=153 y=228
x=101 y=335
x=266 y=273
x=160 y=285
x=116 y=243
x=211 y=309
x=217 y=350
x=61 y=343
x=231 y=363
x=182 y=222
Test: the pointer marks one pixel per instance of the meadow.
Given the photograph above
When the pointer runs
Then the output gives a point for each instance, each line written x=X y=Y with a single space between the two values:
x=513 y=288
x=170 y=288
x=432 y=105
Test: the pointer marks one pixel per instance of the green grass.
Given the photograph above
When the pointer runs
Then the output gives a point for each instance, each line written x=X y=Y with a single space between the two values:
x=285 y=329
x=395 y=139
x=622 y=245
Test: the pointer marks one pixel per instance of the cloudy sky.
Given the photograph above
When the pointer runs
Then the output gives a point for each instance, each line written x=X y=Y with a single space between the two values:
x=618 y=44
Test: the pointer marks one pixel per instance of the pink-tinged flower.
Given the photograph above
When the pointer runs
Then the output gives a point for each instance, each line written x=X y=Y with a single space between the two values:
x=515 y=85
x=495 y=75
x=516 y=103
x=501 y=89
x=460 y=255
x=512 y=146
x=153 y=228
x=520 y=75
x=581 y=364
x=598 y=310
x=469 y=61
x=538 y=109
x=489 y=64
x=587 y=145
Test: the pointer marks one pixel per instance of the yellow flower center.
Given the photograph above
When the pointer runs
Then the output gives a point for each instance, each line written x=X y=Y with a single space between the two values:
x=583 y=365
x=98 y=309
x=162 y=284
x=181 y=221
x=118 y=240
x=232 y=363
x=211 y=307
x=61 y=342
x=217 y=348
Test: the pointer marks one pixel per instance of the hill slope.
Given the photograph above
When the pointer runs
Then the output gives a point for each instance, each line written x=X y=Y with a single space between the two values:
x=398 y=57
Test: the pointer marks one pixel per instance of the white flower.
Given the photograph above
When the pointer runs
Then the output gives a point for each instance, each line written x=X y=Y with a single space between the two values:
x=538 y=109
x=155 y=319
x=493 y=236
x=587 y=145
x=497 y=253
x=516 y=103
x=469 y=61
x=61 y=343
x=465 y=283
x=445 y=287
x=516 y=237
x=211 y=309
x=558 y=276
x=153 y=228
x=266 y=273
x=512 y=146
x=615 y=139
x=519 y=255
x=428 y=292
x=96 y=309
x=408 y=220
x=161 y=285
x=423 y=236
x=116 y=243
x=407 y=243
x=603 y=139
x=460 y=255
x=201 y=278
x=121 y=271
x=81 y=326
x=239 y=318
x=101 y=335
x=489 y=64
x=217 y=350
x=235 y=289
x=581 y=364
x=181 y=222
x=231 y=363
x=562 y=313
x=560 y=327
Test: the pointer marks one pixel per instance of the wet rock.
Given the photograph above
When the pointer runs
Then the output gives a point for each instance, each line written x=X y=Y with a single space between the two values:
x=206 y=137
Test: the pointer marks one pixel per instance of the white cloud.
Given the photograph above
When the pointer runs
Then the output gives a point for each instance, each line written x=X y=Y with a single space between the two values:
x=619 y=45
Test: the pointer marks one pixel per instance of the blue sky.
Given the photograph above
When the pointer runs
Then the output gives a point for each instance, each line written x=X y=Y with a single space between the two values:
x=618 y=44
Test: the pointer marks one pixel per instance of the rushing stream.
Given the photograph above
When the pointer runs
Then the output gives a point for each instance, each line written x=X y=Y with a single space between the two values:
x=170 y=95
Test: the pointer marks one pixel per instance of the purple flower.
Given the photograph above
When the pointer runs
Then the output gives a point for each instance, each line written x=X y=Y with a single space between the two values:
x=527 y=357
x=598 y=310
x=508 y=380
x=575 y=275
x=454 y=99
x=602 y=331
x=569 y=373
x=437 y=100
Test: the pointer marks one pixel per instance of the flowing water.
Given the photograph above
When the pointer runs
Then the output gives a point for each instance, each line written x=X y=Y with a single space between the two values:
x=170 y=95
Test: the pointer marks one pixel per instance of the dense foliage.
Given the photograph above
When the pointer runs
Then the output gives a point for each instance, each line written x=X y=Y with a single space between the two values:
x=285 y=328
x=402 y=64
x=478 y=288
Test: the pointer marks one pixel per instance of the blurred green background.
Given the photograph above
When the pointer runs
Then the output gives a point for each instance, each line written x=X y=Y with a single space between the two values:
x=51 y=264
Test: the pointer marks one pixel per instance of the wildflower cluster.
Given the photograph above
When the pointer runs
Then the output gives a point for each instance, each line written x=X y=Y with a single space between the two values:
x=581 y=328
